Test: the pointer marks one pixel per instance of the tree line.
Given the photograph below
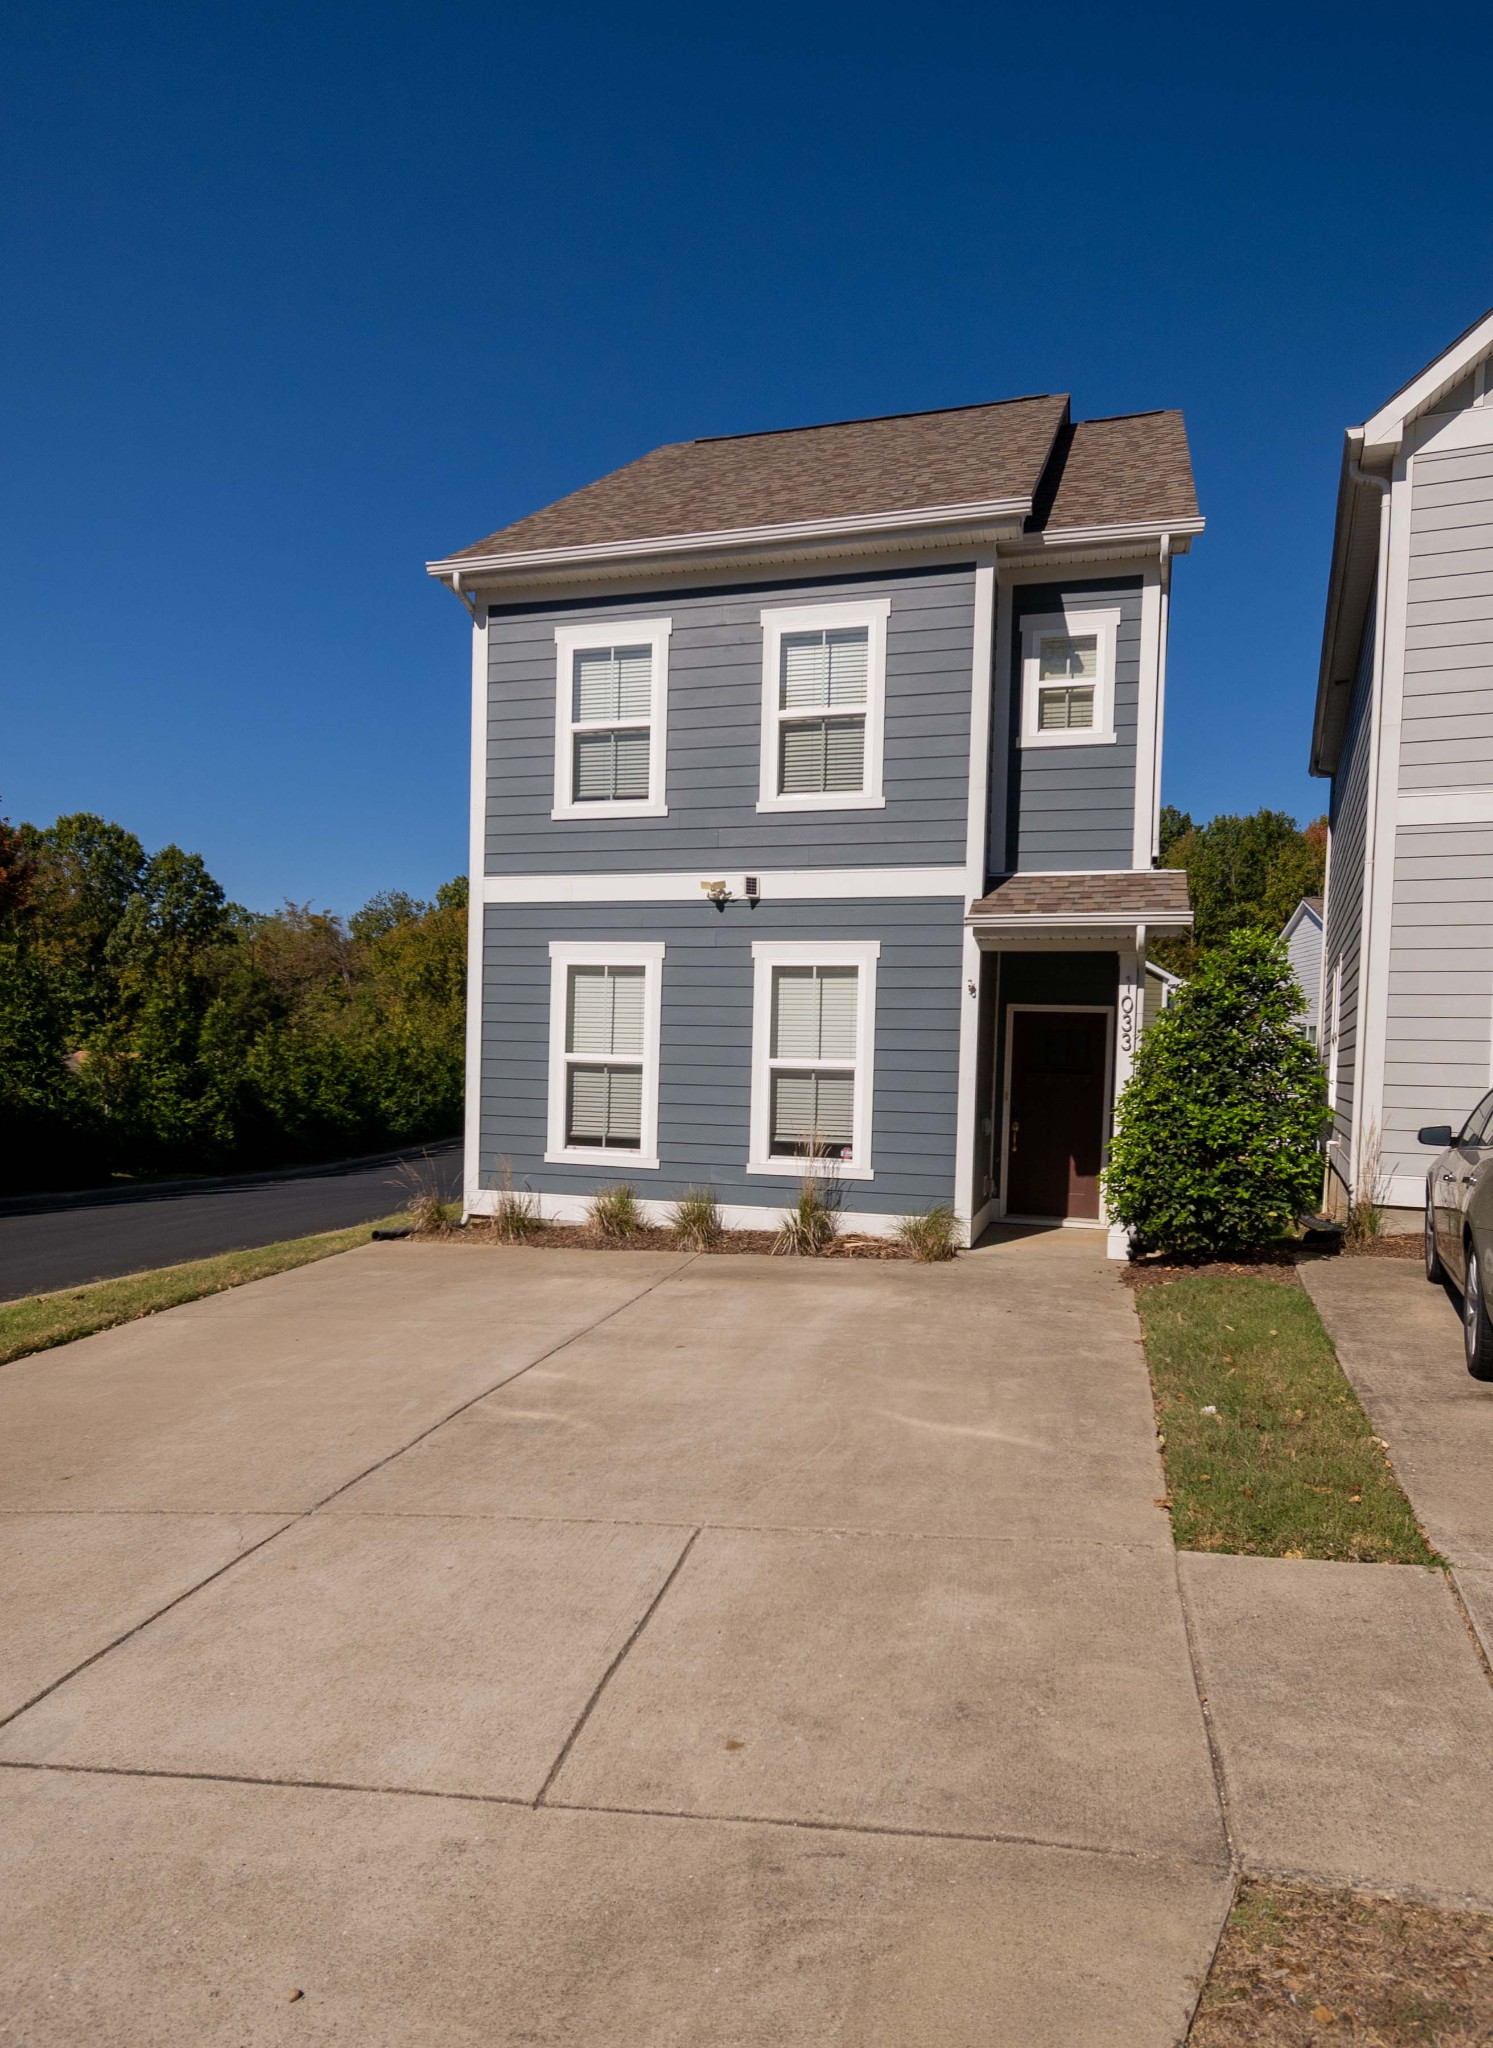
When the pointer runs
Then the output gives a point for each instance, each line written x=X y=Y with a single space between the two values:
x=149 y=1026
x=1243 y=874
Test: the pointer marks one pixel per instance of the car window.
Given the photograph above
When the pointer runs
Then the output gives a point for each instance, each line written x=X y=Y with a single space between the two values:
x=1473 y=1132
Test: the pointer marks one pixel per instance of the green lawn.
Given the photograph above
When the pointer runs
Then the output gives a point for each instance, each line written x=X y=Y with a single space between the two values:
x=38 y=1321
x=1286 y=1464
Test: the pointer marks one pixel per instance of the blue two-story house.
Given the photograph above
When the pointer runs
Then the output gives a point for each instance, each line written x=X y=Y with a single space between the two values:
x=815 y=780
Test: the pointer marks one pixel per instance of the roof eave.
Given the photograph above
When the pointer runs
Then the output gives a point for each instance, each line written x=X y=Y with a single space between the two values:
x=1349 y=590
x=992 y=515
x=1092 y=920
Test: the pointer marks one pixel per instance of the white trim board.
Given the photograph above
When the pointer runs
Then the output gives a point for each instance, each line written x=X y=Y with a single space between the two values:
x=871 y=615
x=476 y=906
x=1445 y=806
x=649 y=955
x=767 y=955
x=977 y=825
x=774 y=885
x=570 y=1208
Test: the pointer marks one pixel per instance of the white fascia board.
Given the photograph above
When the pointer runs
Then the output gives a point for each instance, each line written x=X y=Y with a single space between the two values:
x=476 y=913
x=1154 y=920
x=1120 y=531
x=920 y=519
x=1384 y=429
x=780 y=885
x=1302 y=911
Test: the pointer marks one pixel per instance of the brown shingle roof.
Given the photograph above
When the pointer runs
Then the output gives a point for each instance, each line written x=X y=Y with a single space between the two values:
x=970 y=454
x=1108 y=472
x=1156 y=895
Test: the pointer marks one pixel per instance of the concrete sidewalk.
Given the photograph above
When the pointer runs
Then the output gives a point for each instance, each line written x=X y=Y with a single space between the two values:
x=499 y=1646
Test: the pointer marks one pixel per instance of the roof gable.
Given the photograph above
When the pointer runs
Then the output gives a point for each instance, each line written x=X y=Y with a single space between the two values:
x=1384 y=428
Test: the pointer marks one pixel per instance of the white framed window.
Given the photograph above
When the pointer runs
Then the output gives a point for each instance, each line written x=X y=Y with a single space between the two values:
x=823 y=706
x=611 y=719
x=1068 y=677
x=603 y=1063
x=813 y=1056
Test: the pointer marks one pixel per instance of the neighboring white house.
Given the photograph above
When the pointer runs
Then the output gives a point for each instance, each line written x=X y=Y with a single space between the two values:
x=1404 y=729
x=1303 y=937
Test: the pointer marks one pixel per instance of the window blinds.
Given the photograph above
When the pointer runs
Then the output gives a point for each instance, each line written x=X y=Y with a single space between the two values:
x=820 y=754
x=611 y=684
x=824 y=670
x=1070 y=662
x=814 y=1017
x=604 y=1103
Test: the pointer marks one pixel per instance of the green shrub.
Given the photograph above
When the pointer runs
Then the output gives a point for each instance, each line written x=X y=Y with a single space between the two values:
x=1216 y=1132
x=811 y=1225
x=616 y=1213
x=695 y=1220
x=931 y=1237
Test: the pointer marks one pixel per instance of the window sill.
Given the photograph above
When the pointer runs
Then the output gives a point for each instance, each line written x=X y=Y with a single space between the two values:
x=827 y=1169
x=1067 y=739
x=622 y=1162
x=601 y=813
x=855 y=801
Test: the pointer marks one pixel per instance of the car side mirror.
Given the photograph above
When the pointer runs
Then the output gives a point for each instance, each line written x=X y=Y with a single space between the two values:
x=1439 y=1135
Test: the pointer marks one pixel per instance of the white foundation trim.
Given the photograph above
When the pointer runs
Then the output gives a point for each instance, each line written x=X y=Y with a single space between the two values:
x=774 y=885
x=476 y=912
x=570 y=1208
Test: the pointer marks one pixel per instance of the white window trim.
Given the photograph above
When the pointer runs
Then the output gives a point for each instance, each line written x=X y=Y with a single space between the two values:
x=572 y=640
x=768 y=954
x=1075 y=618
x=564 y=956
x=872 y=613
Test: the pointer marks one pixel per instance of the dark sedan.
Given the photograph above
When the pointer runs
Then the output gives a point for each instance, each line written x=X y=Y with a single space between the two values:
x=1459 y=1225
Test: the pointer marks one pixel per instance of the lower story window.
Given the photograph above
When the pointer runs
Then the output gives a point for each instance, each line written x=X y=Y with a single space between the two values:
x=813 y=1052
x=604 y=1029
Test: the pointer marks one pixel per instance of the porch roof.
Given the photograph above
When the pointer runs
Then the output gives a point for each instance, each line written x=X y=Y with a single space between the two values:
x=1153 y=896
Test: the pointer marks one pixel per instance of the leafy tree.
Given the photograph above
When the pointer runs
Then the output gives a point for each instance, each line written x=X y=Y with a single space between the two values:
x=1242 y=873
x=382 y=913
x=1216 y=1132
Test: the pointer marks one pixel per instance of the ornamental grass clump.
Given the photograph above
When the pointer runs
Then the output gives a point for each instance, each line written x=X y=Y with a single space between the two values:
x=933 y=1236
x=811 y=1225
x=616 y=1212
x=695 y=1220
x=1218 y=1128
x=516 y=1217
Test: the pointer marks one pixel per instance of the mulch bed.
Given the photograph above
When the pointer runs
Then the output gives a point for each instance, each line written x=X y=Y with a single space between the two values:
x=1301 y=1966
x=1406 y=1245
x=586 y=1237
x=1153 y=1269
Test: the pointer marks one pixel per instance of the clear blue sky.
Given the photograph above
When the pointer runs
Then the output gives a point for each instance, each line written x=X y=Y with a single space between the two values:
x=300 y=296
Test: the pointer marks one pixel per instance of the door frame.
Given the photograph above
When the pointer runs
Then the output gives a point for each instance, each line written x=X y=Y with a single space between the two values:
x=1107 y=1011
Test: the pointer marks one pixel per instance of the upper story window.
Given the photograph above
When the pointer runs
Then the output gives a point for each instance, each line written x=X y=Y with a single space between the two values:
x=1068 y=678
x=604 y=1044
x=813 y=1056
x=823 y=703
x=611 y=695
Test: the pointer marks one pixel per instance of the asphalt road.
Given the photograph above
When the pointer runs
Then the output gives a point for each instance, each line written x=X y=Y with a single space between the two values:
x=67 y=1240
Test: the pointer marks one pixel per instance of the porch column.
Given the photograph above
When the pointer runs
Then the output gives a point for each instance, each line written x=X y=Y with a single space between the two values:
x=1129 y=1010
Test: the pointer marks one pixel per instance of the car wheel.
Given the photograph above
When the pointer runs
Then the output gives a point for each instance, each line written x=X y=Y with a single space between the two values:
x=1477 y=1331
x=1434 y=1269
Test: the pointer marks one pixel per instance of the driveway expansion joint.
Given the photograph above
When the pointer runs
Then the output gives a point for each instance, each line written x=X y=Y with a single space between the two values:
x=1215 y=1755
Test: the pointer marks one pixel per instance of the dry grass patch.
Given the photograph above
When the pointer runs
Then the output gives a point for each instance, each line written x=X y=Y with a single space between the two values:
x=1267 y=1448
x=1297 y=1966
x=40 y=1321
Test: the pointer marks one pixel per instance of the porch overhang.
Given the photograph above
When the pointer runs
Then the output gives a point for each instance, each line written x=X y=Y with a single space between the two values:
x=1102 y=907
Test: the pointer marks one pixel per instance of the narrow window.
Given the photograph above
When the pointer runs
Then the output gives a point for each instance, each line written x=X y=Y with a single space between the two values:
x=609 y=720
x=605 y=1032
x=613 y=699
x=813 y=1056
x=822 y=694
x=1067 y=670
x=1068 y=677
x=812 y=1062
x=604 y=1058
x=823 y=704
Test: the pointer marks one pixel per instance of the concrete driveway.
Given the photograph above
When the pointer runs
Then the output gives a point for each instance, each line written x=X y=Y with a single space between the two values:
x=444 y=1645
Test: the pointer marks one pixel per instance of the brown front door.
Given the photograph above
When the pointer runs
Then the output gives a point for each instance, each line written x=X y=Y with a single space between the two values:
x=1056 y=1144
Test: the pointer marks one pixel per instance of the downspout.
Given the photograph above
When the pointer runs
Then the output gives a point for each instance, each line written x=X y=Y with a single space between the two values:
x=455 y=586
